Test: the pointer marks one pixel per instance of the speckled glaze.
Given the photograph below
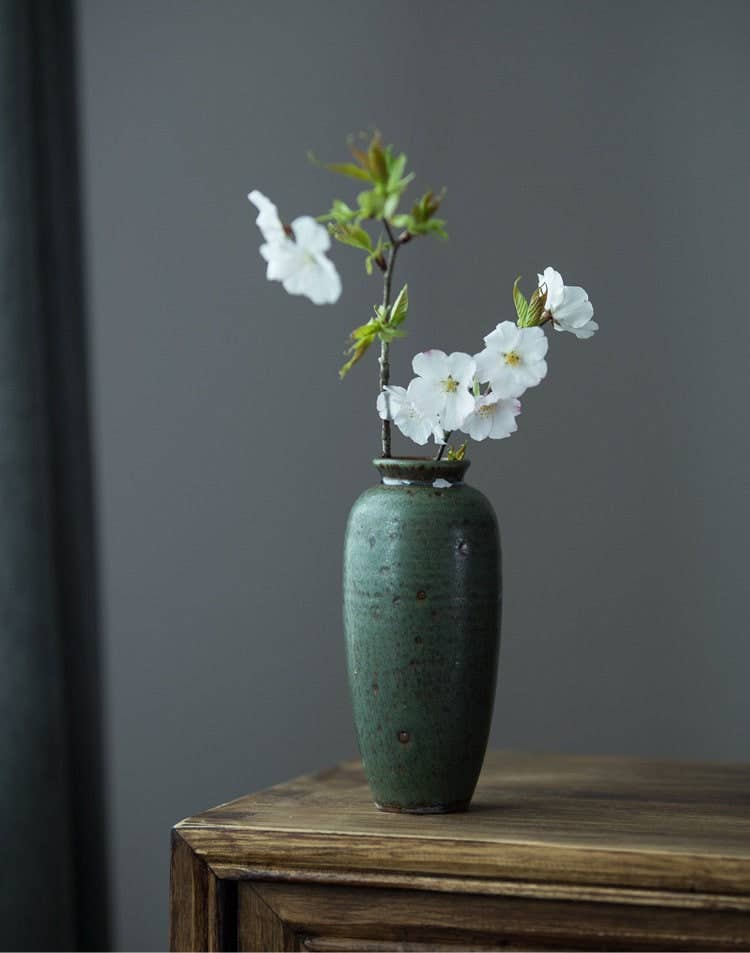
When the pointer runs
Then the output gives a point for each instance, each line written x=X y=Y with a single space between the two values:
x=422 y=602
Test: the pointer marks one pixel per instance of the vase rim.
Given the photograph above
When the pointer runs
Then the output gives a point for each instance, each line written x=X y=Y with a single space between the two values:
x=420 y=471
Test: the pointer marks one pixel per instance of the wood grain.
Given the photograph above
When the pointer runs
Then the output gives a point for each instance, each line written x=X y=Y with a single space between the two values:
x=188 y=898
x=558 y=852
x=338 y=944
x=506 y=888
x=202 y=908
x=397 y=917
x=260 y=927
x=603 y=822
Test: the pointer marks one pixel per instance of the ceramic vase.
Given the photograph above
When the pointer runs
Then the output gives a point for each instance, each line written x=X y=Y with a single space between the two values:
x=422 y=607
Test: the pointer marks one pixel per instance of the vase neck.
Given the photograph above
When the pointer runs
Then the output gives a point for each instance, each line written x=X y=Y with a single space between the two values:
x=420 y=471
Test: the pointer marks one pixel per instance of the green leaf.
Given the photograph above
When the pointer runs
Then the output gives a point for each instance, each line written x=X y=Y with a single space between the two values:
x=359 y=353
x=342 y=211
x=521 y=304
x=390 y=205
x=425 y=208
x=433 y=226
x=352 y=235
x=400 y=308
x=403 y=221
x=376 y=161
x=368 y=330
x=387 y=333
x=384 y=325
x=535 y=309
x=376 y=257
x=361 y=337
x=396 y=166
x=421 y=221
x=458 y=454
x=370 y=204
x=350 y=169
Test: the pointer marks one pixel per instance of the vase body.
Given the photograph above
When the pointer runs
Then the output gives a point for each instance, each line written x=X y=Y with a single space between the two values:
x=422 y=605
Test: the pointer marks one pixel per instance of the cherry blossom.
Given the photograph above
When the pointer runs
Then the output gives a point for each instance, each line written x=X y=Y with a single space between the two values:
x=513 y=359
x=441 y=387
x=401 y=406
x=569 y=305
x=493 y=417
x=296 y=256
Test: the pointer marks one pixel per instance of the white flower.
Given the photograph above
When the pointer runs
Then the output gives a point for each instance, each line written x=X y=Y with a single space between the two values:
x=513 y=359
x=569 y=306
x=441 y=386
x=268 y=220
x=298 y=262
x=400 y=405
x=493 y=417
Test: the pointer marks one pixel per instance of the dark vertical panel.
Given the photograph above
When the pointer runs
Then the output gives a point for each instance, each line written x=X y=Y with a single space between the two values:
x=34 y=797
x=54 y=893
x=64 y=334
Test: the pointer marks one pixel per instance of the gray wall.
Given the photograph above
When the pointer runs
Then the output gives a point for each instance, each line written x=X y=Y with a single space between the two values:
x=608 y=139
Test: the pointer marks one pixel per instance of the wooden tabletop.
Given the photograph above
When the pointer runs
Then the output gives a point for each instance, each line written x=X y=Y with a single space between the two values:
x=539 y=820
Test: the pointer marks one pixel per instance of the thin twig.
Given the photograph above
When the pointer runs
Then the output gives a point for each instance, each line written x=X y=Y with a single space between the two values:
x=441 y=451
x=384 y=362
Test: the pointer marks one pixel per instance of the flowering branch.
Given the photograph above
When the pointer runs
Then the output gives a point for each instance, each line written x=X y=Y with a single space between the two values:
x=451 y=392
x=385 y=171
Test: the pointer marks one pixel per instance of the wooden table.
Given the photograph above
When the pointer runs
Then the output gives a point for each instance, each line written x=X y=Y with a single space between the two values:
x=556 y=852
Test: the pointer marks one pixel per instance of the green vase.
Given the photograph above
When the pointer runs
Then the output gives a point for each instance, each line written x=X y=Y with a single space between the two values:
x=422 y=603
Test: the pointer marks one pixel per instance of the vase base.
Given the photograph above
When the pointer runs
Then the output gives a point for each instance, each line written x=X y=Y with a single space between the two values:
x=454 y=807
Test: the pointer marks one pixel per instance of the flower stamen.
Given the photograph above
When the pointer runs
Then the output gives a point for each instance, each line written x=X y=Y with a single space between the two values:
x=512 y=358
x=450 y=386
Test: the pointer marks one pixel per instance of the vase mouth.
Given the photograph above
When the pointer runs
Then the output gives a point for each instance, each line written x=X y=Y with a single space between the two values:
x=421 y=471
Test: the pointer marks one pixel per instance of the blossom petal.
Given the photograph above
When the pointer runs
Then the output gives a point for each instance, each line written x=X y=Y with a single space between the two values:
x=532 y=343
x=330 y=282
x=575 y=311
x=536 y=350
x=508 y=383
x=553 y=282
x=311 y=235
x=389 y=401
x=427 y=395
x=317 y=280
x=431 y=365
x=486 y=363
x=586 y=331
x=414 y=427
x=283 y=259
x=531 y=374
x=462 y=367
x=477 y=426
x=574 y=294
x=504 y=419
x=458 y=406
x=504 y=338
x=268 y=220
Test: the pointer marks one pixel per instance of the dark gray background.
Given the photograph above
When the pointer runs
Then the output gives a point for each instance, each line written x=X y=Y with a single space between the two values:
x=608 y=139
